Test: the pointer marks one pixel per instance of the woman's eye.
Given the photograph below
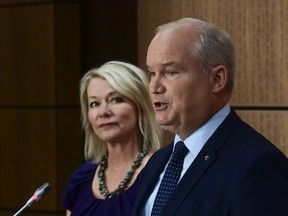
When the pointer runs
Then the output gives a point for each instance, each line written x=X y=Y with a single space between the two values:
x=116 y=100
x=93 y=104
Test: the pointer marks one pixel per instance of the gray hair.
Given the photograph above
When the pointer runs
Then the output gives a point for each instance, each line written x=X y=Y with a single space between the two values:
x=213 y=46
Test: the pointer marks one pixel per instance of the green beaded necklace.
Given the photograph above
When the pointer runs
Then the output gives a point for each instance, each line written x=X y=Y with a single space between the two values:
x=123 y=184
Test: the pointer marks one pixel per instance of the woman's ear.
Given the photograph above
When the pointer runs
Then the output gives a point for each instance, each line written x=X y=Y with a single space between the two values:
x=219 y=77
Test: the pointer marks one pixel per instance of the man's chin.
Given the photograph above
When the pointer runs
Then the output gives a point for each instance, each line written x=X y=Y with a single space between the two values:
x=166 y=125
x=167 y=128
x=162 y=123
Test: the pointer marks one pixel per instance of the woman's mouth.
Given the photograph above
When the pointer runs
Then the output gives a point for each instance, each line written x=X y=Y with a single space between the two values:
x=106 y=125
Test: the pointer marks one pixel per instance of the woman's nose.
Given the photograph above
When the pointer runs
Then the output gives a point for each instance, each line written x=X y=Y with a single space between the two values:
x=104 y=110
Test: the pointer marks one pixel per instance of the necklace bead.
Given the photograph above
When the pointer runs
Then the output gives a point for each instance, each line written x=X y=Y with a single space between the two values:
x=124 y=183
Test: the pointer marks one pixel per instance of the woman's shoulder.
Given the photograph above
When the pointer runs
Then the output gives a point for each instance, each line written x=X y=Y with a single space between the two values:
x=83 y=175
x=79 y=181
x=86 y=170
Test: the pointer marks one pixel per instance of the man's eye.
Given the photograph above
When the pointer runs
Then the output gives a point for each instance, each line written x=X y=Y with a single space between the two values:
x=151 y=74
x=171 y=73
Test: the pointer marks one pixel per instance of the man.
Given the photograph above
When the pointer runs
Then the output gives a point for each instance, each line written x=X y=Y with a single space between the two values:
x=230 y=169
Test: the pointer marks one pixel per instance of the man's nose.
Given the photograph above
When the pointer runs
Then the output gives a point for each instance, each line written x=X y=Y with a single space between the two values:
x=156 y=86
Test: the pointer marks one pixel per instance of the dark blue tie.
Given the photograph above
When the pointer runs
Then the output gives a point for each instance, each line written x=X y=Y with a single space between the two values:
x=170 y=178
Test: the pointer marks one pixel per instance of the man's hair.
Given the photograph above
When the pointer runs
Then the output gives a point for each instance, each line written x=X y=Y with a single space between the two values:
x=213 y=46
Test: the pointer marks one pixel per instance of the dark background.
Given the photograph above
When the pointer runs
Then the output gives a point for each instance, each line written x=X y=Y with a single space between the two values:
x=45 y=48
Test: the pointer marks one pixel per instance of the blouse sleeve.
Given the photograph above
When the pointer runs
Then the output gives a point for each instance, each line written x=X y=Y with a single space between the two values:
x=78 y=178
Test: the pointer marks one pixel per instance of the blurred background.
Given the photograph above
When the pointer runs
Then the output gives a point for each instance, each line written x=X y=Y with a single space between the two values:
x=46 y=46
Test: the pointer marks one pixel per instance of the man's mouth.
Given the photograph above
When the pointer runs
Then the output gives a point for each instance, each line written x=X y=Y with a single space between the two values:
x=159 y=106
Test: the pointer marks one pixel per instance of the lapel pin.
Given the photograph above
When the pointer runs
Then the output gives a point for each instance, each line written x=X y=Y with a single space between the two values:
x=206 y=157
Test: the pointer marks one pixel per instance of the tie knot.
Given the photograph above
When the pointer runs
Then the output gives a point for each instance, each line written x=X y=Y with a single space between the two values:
x=180 y=150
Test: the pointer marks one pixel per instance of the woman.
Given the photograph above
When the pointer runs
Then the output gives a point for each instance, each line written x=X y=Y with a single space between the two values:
x=120 y=136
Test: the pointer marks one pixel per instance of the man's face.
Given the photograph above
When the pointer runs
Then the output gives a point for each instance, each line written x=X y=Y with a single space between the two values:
x=179 y=89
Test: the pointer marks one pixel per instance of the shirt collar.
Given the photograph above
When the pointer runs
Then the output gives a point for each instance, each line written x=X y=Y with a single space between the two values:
x=198 y=138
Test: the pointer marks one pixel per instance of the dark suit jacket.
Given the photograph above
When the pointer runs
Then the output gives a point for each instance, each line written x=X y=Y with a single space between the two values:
x=237 y=173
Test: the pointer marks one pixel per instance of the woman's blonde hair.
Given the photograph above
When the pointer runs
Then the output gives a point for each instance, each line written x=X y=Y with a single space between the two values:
x=131 y=82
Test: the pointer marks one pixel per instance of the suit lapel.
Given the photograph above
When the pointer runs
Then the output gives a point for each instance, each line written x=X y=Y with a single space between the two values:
x=205 y=159
x=151 y=174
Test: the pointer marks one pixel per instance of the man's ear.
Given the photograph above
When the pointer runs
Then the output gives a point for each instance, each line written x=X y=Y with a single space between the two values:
x=219 y=77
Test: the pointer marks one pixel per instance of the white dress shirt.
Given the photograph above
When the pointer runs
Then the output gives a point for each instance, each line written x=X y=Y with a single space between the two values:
x=194 y=143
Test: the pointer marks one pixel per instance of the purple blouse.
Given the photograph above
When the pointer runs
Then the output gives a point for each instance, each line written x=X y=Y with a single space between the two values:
x=80 y=200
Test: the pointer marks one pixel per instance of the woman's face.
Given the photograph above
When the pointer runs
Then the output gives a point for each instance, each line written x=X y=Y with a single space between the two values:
x=112 y=116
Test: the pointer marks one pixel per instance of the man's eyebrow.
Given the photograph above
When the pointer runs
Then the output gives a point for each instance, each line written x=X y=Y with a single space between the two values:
x=165 y=64
x=169 y=63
